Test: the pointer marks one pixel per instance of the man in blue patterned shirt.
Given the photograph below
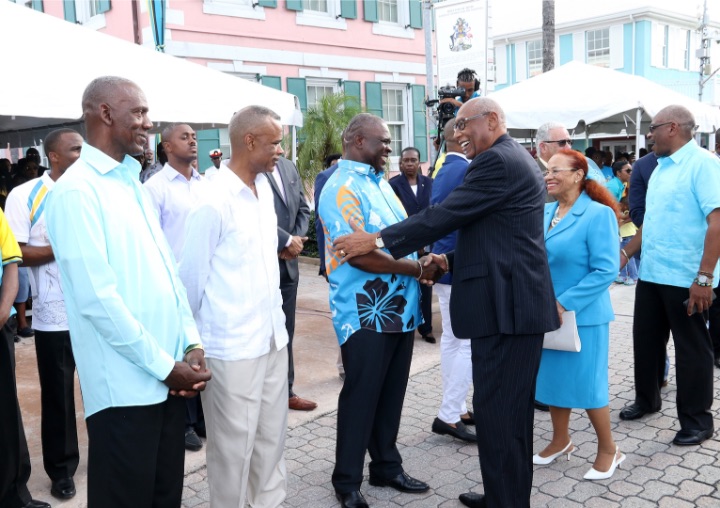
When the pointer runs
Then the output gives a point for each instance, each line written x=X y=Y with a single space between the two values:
x=375 y=305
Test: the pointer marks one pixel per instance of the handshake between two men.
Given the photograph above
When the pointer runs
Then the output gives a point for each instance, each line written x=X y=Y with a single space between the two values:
x=358 y=243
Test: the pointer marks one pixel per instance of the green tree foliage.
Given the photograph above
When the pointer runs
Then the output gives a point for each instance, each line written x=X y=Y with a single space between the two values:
x=321 y=134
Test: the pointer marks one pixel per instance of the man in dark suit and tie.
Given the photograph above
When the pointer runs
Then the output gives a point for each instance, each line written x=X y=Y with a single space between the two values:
x=293 y=216
x=414 y=190
x=502 y=296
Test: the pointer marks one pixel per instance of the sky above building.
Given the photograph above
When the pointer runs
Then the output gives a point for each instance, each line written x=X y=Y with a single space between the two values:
x=516 y=15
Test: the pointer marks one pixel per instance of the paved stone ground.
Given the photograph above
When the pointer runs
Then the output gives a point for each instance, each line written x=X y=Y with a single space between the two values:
x=656 y=473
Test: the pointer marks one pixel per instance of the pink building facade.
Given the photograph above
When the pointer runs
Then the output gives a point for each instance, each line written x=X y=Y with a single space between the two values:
x=371 y=49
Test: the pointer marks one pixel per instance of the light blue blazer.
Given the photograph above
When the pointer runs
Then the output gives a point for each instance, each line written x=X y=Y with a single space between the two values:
x=584 y=257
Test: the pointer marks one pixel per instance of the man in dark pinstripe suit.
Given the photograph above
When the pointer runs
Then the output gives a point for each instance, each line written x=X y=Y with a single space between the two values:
x=502 y=295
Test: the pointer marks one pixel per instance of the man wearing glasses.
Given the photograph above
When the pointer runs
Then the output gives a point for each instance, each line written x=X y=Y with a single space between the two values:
x=502 y=295
x=552 y=137
x=681 y=245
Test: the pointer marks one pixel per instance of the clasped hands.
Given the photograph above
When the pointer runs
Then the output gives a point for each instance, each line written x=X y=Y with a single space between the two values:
x=434 y=266
x=294 y=249
x=190 y=376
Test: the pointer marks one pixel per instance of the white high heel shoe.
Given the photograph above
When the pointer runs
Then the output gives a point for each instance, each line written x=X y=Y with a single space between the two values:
x=543 y=461
x=594 y=474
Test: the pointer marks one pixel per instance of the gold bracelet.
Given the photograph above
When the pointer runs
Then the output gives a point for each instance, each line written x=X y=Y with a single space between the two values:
x=192 y=347
x=421 y=270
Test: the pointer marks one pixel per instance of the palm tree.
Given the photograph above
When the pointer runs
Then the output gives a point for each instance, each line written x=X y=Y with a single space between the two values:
x=321 y=133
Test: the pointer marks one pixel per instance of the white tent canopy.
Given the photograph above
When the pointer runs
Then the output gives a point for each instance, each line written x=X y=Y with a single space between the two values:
x=66 y=57
x=594 y=99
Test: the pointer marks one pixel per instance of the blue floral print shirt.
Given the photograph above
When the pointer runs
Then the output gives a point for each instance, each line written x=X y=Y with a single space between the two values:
x=385 y=303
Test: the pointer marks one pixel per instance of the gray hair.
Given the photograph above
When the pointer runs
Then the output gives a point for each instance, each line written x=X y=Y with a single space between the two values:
x=543 y=132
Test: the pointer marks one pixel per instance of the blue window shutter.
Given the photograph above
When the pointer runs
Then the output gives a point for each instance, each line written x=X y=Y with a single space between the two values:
x=352 y=89
x=348 y=9
x=298 y=87
x=37 y=5
x=373 y=98
x=420 y=138
x=267 y=3
x=70 y=11
x=103 y=6
x=294 y=5
x=371 y=10
x=416 y=13
x=272 y=81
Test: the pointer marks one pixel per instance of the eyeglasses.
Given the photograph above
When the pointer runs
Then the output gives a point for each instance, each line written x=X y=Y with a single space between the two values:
x=652 y=127
x=561 y=142
x=556 y=171
x=460 y=123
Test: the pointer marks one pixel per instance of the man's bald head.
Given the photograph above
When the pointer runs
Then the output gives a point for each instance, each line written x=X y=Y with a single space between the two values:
x=481 y=105
x=681 y=116
x=358 y=125
x=478 y=124
x=248 y=121
x=103 y=90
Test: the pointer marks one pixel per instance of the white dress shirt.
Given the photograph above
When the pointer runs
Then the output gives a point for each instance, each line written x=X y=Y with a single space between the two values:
x=230 y=269
x=173 y=196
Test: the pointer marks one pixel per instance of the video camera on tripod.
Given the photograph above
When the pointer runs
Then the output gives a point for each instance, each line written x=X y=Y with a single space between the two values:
x=445 y=111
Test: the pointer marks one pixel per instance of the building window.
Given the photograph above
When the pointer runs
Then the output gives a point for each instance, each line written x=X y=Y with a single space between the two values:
x=394 y=104
x=666 y=40
x=393 y=19
x=317 y=89
x=535 y=58
x=388 y=10
x=90 y=13
x=598 y=47
x=321 y=13
x=249 y=9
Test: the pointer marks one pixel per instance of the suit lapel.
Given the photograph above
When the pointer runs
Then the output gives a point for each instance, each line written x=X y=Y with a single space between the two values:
x=570 y=218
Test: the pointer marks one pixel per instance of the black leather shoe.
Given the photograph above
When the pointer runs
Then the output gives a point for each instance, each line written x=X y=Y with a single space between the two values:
x=633 y=412
x=473 y=500
x=201 y=430
x=37 y=504
x=459 y=431
x=540 y=407
x=429 y=338
x=192 y=441
x=692 y=437
x=63 y=488
x=402 y=482
x=353 y=499
x=470 y=420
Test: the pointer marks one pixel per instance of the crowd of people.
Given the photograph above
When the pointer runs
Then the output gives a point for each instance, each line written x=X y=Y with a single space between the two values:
x=159 y=291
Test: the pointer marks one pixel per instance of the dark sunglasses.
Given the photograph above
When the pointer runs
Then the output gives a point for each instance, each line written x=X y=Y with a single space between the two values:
x=561 y=142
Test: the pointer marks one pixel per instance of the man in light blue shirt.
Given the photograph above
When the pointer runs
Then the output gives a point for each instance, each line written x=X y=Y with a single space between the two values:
x=680 y=250
x=134 y=337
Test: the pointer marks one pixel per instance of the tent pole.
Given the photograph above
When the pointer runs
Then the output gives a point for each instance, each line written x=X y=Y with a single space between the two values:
x=294 y=145
x=638 y=119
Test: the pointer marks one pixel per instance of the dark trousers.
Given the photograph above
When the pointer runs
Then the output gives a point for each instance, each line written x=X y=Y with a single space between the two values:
x=288 y=288
x=194 y=416
x=56 y=368
x=659 y=309
x=426 y=308
x=14 y=456
x=136 y=456
x=504 y=371
x=377 y=366
x=715 y=323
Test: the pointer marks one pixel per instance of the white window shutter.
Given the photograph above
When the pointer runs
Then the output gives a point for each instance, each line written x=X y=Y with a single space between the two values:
x=675 y=48
x=617 y=47
x=501 y=64
x=521 y=61
x=656 y=45
x=579 y=47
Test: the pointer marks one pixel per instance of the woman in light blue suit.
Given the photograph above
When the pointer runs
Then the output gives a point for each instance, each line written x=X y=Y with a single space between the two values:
x=581 y=239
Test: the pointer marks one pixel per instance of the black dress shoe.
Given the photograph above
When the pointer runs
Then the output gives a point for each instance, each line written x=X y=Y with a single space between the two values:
x=402 y=482
x=473 y=500
x=459 y=431
x=540 y=407
x=37 y=504
x=192 y=441
x=633 y=412
x=429 y=338
x=201 y=430
x=63 y=488
x=692 y=437
x=353 y=499
x=470 y=420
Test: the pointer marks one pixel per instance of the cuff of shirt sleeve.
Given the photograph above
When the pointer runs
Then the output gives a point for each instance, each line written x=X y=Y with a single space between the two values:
x=289 y=241
x=162 y=366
